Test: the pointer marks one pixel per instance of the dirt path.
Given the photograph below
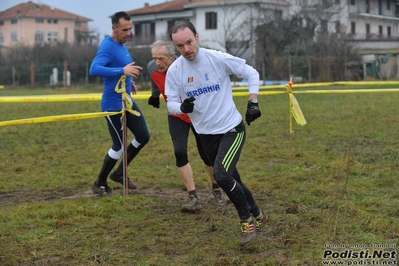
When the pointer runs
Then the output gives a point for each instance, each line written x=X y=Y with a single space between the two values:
x=18 y=197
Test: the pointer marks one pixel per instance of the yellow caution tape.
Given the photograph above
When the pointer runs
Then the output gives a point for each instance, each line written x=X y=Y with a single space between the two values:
x=126 y=97
x=64 y=98
x=346 y=91
x=294 y=106
x=145 y=95
x=296 y=111
x=133 y=112
x=120 y=87
x=288 y=87
x=52 y=98
x=56 y=118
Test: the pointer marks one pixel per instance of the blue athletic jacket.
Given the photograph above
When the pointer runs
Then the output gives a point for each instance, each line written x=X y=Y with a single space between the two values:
x=108 y=63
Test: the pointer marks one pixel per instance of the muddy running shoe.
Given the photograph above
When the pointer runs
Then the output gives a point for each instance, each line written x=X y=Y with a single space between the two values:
x=260 y=222
x=248 y=233
x=119 y=179
x=193 y=205
x=219 y=197
x=101 y=190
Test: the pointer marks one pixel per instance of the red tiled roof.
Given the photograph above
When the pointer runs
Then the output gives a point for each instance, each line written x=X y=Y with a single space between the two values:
x=31 y=9
x=176 y=5
x=199 y=2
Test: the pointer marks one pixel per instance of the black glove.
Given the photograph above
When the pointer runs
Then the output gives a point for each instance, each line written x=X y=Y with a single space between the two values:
x=187 y=106
x=253 y=112
x=154 y=101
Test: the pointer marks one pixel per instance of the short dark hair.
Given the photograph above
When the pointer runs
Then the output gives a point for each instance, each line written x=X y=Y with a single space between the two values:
x=118 y=15
x=180 y=25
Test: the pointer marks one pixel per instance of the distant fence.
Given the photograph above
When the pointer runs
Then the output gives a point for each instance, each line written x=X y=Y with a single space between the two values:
x=300 y=68
x=327 y=69
x=42 y=75
x=35 y=75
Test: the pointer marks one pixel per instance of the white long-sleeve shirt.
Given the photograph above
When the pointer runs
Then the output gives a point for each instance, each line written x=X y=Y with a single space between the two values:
x=207 y=78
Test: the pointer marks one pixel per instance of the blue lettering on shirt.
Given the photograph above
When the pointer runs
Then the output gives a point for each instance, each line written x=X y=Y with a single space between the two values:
x=204 y=90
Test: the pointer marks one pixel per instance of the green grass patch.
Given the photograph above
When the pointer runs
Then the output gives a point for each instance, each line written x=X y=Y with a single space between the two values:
x=332 y=181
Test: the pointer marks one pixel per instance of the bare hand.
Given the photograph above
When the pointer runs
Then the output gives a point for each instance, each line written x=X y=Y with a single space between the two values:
x=134 y=88
x=132 y=70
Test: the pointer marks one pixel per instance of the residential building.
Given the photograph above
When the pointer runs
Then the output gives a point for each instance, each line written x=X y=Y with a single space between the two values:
x=30 y=23
x=375 y=26
x=229 y=25
x=372 y=26
x=222 y=25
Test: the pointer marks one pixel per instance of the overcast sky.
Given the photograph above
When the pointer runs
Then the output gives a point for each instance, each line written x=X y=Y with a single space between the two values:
x=97 y=10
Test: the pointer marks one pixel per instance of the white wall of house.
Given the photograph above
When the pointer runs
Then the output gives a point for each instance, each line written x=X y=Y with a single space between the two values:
x=347 y=13
x=237 y=20
x=375 y=17
x=161 y=30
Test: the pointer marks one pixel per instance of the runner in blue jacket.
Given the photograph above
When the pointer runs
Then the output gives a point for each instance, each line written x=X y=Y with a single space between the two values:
x=115 y=65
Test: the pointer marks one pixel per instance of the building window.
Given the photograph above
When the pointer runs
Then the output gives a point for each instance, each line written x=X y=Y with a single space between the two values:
x=1 y=23
x=14 y=21
x=145 y=29
x=388 y=4
x=66 y=34
x=49 y=21
x=278 y=14
x=380 y=31
x=39 y=36
x=52 y=36
x=55 y=21
x=337 y=2
x=39 y=20
x=389 y=32
x=144 y=33
x=14 y=37
x=323 y=26
x=170 y=25
x=353 y=2
x=1 y=38
x=367 y=6
x=211 y=20
x=327 y=3
x=367 y=30
x=337 y=26
x=353 y=28
x=77 y=23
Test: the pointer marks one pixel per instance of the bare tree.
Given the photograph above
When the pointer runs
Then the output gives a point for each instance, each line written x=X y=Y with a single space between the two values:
x=45 y=57
x=307 y=43
x=236 y=26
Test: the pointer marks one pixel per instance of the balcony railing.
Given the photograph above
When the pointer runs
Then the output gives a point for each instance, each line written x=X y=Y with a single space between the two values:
x=141 y=40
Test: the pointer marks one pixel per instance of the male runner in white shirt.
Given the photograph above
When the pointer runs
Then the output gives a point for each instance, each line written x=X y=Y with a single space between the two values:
x=163 y=54
x=203 y=76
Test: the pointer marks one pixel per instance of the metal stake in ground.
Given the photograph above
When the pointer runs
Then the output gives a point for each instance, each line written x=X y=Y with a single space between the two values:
x=124 y=132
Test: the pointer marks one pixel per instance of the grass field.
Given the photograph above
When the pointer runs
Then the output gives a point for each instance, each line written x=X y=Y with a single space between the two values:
x=335 y=182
